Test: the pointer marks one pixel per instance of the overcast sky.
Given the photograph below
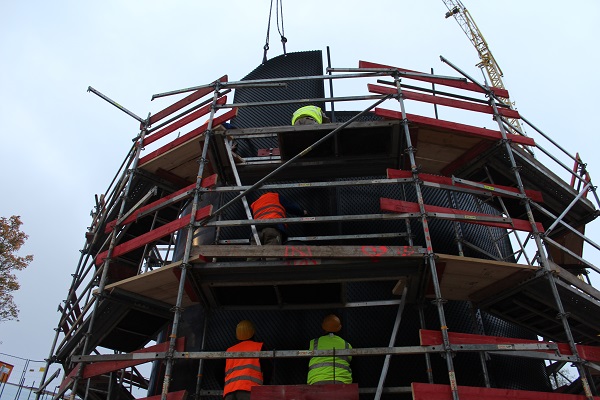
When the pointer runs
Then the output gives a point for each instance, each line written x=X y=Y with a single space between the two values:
x=60 y=145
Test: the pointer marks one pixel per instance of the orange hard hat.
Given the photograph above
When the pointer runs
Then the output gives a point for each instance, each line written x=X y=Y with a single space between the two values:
x=244 y=330
x=331 y=323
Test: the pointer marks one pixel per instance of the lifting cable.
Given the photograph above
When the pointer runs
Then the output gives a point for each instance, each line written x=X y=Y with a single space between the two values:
x=280 y=30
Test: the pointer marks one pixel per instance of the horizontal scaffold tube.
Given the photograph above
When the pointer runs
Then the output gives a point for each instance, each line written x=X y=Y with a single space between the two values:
x=322 y=353
x=437 y=80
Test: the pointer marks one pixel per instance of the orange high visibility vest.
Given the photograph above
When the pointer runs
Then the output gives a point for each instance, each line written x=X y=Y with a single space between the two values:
x=268 y=207
x=243 y=373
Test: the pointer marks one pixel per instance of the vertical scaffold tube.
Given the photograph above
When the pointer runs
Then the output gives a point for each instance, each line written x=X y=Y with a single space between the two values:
x=201 y=361
x=429 y=255
x=188 y=247
x=427 y=356
x=386 y=363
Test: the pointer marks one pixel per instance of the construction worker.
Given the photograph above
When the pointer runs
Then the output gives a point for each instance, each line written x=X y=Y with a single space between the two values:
x=271 y=206
x=309 y=115
x=329 y=369
x=241 y=374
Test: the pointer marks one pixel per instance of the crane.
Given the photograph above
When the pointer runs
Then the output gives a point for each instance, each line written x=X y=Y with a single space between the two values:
x=460 y=13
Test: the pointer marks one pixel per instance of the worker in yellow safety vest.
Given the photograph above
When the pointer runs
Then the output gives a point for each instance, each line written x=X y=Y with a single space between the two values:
x=329 y=369
x=241 y=374
x=309 y=115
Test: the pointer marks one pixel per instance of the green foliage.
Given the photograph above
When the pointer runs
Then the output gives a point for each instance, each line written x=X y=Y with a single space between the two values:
x=11 y=240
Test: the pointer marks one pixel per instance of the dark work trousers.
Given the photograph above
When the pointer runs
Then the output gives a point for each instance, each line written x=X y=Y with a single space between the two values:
x=268 y=236
x=238 y=395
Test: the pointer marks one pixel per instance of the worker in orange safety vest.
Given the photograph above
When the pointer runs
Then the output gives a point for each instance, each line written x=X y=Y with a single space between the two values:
x=272 y=206
x=241 y=374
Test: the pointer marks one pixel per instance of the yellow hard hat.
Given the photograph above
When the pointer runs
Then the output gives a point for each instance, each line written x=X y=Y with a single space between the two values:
x=244 y=330
x=331 y=323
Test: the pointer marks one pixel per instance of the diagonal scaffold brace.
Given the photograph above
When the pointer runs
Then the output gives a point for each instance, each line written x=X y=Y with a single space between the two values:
x=114 y=103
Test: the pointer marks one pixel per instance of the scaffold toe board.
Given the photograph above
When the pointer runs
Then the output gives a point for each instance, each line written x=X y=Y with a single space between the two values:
x=103 y=367
x=154 y=235
x=189 y=99
x=449 y=127
x=308 y=251
x=305 y=392
x=179 y=395
x=428 y=391
x=400 y=206
x=421 y=76
x=431 y=338
x=179 y=156
x=557 y=193
x=499 y=190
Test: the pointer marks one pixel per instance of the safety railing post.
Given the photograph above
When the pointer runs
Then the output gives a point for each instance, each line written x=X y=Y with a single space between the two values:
x=185 y=265
x=429 y=255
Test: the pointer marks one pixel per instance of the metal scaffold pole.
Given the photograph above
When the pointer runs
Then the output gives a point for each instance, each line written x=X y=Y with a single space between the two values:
x=185 y=264
x=430 y=255
x=386 y=363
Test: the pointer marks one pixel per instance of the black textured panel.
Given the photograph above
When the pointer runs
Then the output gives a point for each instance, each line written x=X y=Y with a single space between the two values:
x=307 y=63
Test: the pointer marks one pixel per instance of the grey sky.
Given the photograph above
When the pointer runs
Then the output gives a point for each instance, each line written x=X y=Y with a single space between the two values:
x=60 y=145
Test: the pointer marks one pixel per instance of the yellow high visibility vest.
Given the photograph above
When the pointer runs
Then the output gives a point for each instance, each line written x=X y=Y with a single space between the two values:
x=313 y=112
x=329 y=368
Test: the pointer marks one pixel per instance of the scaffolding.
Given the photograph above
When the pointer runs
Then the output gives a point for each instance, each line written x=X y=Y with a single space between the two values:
x=145 y=258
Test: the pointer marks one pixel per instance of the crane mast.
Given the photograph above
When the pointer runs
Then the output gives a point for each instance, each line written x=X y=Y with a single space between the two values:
x=460 y=13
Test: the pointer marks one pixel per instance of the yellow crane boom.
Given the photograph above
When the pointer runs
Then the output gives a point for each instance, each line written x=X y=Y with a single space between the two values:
x=460 y=13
